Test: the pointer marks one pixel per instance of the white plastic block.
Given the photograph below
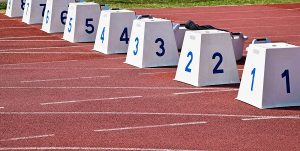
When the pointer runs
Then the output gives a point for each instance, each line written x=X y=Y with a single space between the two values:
x=114 y=31
x=238 y=40
x=271 y=76
x=207 y=58
x=179 y=31
x=152 y=44
x=34 y=11
x=15 y=8
x=55 y=15
x=82 y=22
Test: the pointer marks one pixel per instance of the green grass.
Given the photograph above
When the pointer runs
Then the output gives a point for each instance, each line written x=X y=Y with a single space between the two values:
x=177 y=3
x=183 y=3
x=2 y=5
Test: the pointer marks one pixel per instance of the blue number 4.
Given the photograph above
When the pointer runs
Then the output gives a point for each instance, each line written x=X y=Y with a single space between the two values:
x=124 y=35
x=102 y=34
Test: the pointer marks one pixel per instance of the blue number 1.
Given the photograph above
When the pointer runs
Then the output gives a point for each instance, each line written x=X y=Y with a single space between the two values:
x=253 y=75
x=287 y=80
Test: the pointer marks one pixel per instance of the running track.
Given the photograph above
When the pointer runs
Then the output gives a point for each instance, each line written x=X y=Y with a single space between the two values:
x=57 y=95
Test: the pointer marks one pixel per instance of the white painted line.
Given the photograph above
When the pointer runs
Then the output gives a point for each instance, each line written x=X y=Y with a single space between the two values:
x=89 y=100
x=249 y=18
x=5 y=28
x=83 y=53
x=240 y=69
x=92 y=148
x=244 y=27
x=115 y=58
x=1 y=107
x=30 y=40
x=146 y=113
x=3 y=38
x=64 y=79
x=28 y=137
x=268 y=118
x=73 y=68
x=199 y=92
x=150 y=126
x=151 y=73
x=150 y=88
x=11 y=19
x=61 y=47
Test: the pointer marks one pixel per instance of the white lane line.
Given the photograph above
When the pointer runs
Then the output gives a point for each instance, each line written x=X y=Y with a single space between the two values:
x=92 y=148
x=11 y=19
x=6 y=38
x=39 y=48
x=85 y=53
x=199 y=92
x=15 y=28
x=150 y=126
x=28 y=137
x=1 y=107
x=147 y=113
x=89 y=100
x=150 y=88
x=64 y=79
x=76 y=68
x=243 y=27
x=268 y=118
x=151 y=73
x=29 y=40
x=249 y=18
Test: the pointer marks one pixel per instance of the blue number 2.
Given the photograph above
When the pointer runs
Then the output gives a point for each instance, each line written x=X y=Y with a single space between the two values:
x=162 y=43
x=216 y=70
x=187 y=68
x=136 y=46
x=287 y=80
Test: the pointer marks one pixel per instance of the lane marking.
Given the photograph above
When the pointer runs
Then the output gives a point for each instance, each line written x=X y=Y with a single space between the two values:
x=148 y=113
x=150 y=126
x=86 y=53
x=1 y=107
x=65 y=61
x=11 y=19
x=60 y=47
x=151 y=73
x=89 y=100
x=29 y=40
x=92 y=148
x=64 y=79
x=268 y=118
x=3 y=38
x=76 y=68
x=16 y=28
x=221 y=12
x=27 y=137
x=199 y=92
x=244 y=27
x=239 y=19
x=150 y=88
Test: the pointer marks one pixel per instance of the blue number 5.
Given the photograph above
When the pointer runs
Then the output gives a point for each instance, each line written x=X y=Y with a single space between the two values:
x=87 y=24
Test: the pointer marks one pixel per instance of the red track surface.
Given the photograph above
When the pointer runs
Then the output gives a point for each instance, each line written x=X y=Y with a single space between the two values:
x=105 y=94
